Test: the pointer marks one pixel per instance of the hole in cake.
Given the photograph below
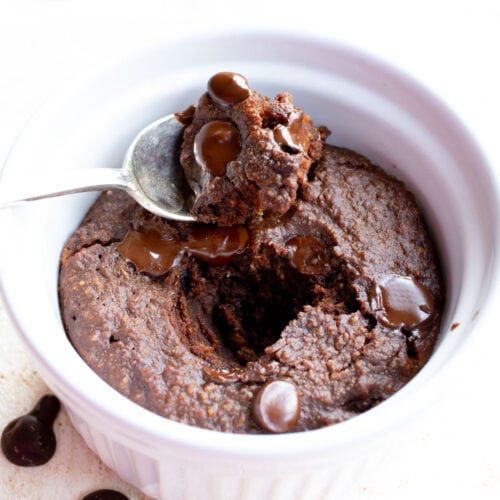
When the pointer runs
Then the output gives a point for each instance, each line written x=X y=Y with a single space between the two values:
x=254 y=309
x=234 y=312
x=113 y=339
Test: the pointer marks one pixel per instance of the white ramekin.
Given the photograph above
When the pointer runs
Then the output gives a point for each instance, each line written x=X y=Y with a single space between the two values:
x=370 y=107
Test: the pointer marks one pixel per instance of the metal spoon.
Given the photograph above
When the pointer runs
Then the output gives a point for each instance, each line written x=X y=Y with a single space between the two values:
x=150 y=173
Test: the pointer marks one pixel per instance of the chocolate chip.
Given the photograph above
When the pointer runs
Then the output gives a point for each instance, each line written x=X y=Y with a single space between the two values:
x=30 y=440
x=149 y=251
x=403 y=302
x=215 y=145
x=308 y=254
x=217 y=245
x=293 y=137
x=276 y=407
x=227 y=88
x=154 y=254
x=105 y=495
x=284 y=139
x=186 y=116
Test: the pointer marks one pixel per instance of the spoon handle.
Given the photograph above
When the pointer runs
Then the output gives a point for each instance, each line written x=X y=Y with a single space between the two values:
x=66 y=182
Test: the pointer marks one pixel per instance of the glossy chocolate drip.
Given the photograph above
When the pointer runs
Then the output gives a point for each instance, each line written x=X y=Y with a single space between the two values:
x=105 y=495
x=30 y=440
x=308 y=254
x=403 y=302
x=217 y=245
x=149 y=251
x=186 y=116
x=276 y=407
x=293 y=137
x=227 y=88
x=152 y=254
x=216 y=144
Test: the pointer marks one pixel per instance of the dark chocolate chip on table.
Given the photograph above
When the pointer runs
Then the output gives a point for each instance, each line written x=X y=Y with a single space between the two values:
x=217 y=144
x=227 y=88
x=30 y=440
x=276 y=407
x=105 y=495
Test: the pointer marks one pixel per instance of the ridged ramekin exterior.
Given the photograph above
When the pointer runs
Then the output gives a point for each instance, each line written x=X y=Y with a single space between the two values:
x=168 y=477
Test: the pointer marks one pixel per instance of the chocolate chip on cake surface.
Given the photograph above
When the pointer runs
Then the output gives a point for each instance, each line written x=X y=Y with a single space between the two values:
x=403 y=302
x=154 y=254
x=308 y=254
x=149 y=251
x=227 y=88
x=186 y=116
x=216 y=144
x=276 y=407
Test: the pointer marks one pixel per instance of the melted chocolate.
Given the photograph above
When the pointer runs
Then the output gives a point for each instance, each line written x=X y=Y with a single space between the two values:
x=217 y=245
x=308 y=254
x=403 y=302
x=221 y=376
x=186 y=116
x=149 y=251
x=227 y=88
x=152 y=254
x=105 y=495
x=30 y=440
x=293 y=138
x=216 y=144
x=276 y=408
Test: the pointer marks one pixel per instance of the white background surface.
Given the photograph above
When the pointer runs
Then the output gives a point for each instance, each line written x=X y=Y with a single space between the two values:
x=453 y=47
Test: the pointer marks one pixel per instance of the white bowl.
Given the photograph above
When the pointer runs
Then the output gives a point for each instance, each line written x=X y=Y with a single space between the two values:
x=370 y=107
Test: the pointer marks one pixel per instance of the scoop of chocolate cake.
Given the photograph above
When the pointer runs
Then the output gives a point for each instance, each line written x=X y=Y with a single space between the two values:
x=244 y=155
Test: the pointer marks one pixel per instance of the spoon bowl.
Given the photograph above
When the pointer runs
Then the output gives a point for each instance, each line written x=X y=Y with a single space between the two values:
x=151 y=173
x=155 y=177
